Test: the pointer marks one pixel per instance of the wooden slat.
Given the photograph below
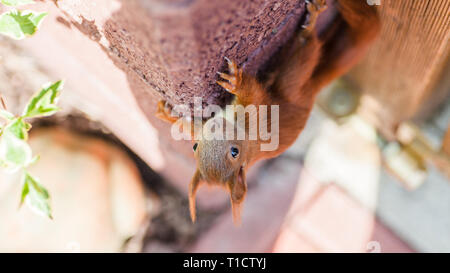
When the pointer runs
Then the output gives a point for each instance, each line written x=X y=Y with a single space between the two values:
x=404 y=65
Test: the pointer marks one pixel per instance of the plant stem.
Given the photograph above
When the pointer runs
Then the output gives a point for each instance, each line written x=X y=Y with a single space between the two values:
x=3 y=102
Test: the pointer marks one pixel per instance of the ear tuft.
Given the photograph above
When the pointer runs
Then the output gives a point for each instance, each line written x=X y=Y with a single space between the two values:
x=236 y=209
x=193 y=186
x=238 y=190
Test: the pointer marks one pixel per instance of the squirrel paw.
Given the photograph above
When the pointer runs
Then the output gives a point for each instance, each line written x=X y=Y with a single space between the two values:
x=164 y=112
x=314 y=7
x=232 y=79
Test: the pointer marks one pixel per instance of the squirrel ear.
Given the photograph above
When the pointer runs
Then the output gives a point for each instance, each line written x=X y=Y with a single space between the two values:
x=193 y=186
x=238 y=190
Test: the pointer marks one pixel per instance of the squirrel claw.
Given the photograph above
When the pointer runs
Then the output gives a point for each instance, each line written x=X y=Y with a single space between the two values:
x=314 y=7
x=229 y=87
x=231 y=79
x=232 y=66
x=164 y=112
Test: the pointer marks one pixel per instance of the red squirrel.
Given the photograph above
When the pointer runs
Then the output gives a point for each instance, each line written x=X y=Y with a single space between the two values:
x=307 y=63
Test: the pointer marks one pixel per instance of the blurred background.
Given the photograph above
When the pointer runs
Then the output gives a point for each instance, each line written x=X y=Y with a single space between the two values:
x=369 y=173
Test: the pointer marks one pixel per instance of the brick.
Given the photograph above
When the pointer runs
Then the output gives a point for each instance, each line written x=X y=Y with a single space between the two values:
x=331 y=221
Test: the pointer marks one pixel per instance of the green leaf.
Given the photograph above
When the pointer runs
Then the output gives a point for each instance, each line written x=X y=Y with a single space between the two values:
x=17 y=2
x=19 y=128
x=15 y=153
x=44 y=102
x=35 y=196
x=17 y=24
x=6 y=115
x=24 y=194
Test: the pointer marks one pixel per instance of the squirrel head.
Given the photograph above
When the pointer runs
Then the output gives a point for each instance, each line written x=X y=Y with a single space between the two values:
x=221 y=162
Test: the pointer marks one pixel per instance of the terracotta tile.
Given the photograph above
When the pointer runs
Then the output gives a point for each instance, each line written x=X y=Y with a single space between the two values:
x=331 y=221
x=389 y=242
x=291 y=241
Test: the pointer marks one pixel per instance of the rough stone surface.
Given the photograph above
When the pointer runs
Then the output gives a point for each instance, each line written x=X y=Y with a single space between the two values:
x=192 y=38
x=174 y=49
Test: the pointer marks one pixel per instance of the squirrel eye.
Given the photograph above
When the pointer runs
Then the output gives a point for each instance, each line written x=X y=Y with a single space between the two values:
x=234 y=152
x=195 y=146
